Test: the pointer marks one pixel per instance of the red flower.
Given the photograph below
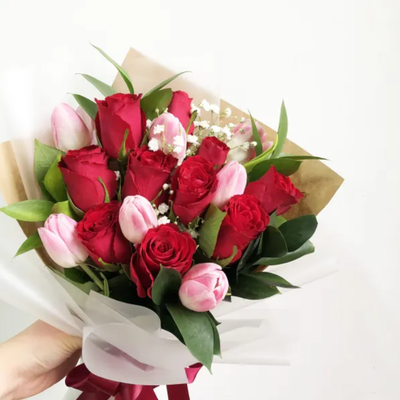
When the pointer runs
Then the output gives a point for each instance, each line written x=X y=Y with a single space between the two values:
x=275 y=192
x=100 y=233
x=213 y=150
x=81 y=170
x=245 y=220
x=194 y=184
x=164 y=246
x=180 y=107
x=147 y=172
x=116 y=114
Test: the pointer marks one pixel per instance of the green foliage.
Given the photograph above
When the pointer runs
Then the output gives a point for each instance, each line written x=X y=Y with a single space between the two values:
x=282 y=131
x=102 y=87
x=122 y=151
x=166 y=286
x=164 y=83
x=31 y=243
x=159 y=100
x=106 y=195
x=226 y=261
x=29 y=210
x=256 y=136
x=89 y=106
x=64 y=207
x=297 y=231
x=254 y=287
x=54 y=182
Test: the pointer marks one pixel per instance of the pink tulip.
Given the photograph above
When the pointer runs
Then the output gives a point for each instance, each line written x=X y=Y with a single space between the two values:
x=69 y=131
x=203 y=287
x=167 y=134
x=89 y=122
x=59 y=237
x=243 y=133
x=232 y=180
x=136 y=217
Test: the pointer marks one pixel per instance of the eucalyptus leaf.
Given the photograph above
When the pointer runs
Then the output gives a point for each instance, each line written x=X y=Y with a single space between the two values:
x=282 y=131
x=164 y=83
x=253 y=287
x=102 y=87
x=210 y=229
x=54 y=181
x=256 y=136
x=89 y=106
x=166 y=285
x=197 y=332
x=44 y=158
x=31 y=243
x=64 y=207
x=29 y=210
x=123 y=73
x=159 y=100
x=297 y=231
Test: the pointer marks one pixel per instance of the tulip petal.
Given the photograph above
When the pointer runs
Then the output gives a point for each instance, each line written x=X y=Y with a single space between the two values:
x=197 y=297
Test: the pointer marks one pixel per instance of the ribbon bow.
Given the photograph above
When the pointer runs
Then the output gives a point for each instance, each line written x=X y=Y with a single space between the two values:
x=96 y=388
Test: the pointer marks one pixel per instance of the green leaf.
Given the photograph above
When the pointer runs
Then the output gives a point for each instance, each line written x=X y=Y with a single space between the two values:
x=54 y=181
x=192 y=118
x=106 y=195
x=64 y=207
x=248 y=253
x=276 y=280
x=156 y=101
x=102 y=87
x=307 y=248
x=217 y=340
x=210 y=229
x=29 y=210
x=88 y=105
x=107 y=266
x=276 y=220
x=122 y=150
x=44 y=158
x=282 y=131
x=226 y=261
x=85 y=287
x=297 y=231
x=164 y=83
x=76 y=275
x=197 y=332
x=273 y=243
x=166 y=285
x=33 y=242
x=253 y=287
x=106 y=291
x=256 y=136
x=123 y=73
x=76 y=210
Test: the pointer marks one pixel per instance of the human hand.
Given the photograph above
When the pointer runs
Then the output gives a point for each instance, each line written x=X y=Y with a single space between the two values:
x=36 y=359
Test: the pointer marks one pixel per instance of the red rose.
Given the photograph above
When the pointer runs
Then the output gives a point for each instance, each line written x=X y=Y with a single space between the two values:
x=147 y=172
x=275 y=191
x=116 y=114
x=245 y=220
x=81 y=170
x=100 y=233
x=180 y=107
x=194 y=184
x=164 y=246
x=213 y=150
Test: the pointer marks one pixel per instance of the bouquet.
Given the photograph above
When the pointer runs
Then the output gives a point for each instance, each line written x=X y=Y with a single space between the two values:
x=156 y=213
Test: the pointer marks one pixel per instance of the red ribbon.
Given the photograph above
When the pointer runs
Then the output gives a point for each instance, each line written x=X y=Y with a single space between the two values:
x=96 y=388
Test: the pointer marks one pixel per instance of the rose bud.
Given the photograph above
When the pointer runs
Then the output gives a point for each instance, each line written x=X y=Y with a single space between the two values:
x=203 y=287
x=164 y=246
x=81 y=170
x=69 y=131
x=240 y=144
x=136 y=217
x=167 y=134
x=60 y=239
x=118 y=113
x=147 y=172
x=244 y=221
x=193 y=186
x=275 y=192
x=101 y=234
x=89 y=122
x=180 y=107
x=214 y=150
x=232 y=180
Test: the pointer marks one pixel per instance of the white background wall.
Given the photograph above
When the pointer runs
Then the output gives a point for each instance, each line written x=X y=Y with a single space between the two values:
x=337 y=65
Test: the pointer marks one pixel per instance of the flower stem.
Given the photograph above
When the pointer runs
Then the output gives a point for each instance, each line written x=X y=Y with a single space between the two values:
x=93 y=276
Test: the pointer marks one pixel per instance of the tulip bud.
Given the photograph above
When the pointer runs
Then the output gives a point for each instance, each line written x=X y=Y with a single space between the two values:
x=69 y=131
x=171 y=136
x=136 y=217
x=203 y=287
x=89 y=122
x=59 y=237
x=232 y=180
x=242 y=136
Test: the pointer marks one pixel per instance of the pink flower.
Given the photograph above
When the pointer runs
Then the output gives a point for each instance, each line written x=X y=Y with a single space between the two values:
x=69 y=130
x=170 y=135
x=59 y=237
x=203 y=287
x=136 y=217
x=89 y=122
x=240 y=144
x=232 y=180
